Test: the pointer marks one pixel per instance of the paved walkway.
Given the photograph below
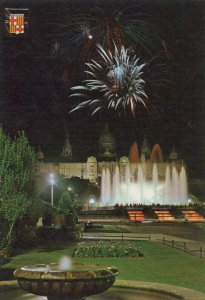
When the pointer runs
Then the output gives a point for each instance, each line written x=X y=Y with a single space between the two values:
x=185 y=293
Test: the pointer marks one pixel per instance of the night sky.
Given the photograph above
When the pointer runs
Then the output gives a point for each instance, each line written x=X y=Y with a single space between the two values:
x=36 y=80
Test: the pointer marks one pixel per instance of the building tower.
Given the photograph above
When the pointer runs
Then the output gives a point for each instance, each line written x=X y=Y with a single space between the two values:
x=173 y=156
x=145 y=150
x=66 y=153
x=107 y=145
x=39 y=154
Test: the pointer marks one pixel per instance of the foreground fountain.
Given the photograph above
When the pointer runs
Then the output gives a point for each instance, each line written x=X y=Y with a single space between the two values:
x=80 y=281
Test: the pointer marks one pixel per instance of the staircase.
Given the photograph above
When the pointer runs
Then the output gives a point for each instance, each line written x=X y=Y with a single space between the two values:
x=164 y=215
x=192 y=216
x=136 y=215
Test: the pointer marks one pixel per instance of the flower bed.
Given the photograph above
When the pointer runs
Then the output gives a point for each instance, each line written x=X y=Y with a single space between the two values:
x=107 y=249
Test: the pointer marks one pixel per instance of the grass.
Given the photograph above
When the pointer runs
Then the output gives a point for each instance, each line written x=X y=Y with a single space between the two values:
x=50 y=252
x=160 y=263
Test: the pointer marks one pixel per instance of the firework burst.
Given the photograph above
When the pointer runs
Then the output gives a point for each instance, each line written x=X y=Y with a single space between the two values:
x=85 y=27
x=115 y=82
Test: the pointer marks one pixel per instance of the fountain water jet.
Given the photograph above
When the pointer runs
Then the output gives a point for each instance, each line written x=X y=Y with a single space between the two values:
x=108 y=185
x=155 y=181
x=134 y=153
x=103 y=187
x=115 y=186
x=167 y=188
x=124 y=189
x=183 y=184
x=175 y=185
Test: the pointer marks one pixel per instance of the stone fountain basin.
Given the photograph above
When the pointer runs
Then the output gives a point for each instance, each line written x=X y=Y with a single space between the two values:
x=77 y=283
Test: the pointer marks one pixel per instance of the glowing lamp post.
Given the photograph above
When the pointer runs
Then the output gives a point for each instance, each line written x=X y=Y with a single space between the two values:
x=91 y=202
x=52 y=182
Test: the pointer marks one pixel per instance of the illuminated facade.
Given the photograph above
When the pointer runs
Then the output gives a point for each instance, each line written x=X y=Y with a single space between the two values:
x=92 y=168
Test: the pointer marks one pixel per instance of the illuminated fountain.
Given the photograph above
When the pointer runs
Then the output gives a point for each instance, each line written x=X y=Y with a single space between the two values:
x=66 y=281
x=171 y=190
x=165 y=183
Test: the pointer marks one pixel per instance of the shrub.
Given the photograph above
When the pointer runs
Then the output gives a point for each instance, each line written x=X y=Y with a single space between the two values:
x=48 y=213
x=107 y=249
x=51 y=233
x=24 y=238
x=71 y=219
x=3 y=258
x=16 y=171
x=25 y=229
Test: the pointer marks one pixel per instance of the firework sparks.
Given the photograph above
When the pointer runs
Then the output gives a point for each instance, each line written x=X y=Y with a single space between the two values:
x=104 y=24
x=114 y=82
x=82 y=28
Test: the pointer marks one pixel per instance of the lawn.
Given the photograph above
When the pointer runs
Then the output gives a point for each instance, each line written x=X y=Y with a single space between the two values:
x=159 y=264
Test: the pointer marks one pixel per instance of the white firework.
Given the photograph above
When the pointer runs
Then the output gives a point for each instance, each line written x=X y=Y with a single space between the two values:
x=114 y=82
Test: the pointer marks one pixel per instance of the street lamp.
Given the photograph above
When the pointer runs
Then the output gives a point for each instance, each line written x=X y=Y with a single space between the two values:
x=52 y=182
x=91 y=203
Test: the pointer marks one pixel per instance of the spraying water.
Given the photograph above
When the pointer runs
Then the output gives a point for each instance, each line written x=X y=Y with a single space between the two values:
x=137 y=189
x=65 y=263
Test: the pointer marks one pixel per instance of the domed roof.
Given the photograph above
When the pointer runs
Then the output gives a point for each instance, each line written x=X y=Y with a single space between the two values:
x=124 y=159
x=91 y=159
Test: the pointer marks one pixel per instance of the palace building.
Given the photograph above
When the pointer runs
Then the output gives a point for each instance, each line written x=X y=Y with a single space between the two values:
x=107 y=158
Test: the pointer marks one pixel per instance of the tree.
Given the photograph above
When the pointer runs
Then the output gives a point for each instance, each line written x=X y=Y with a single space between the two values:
x=67 y=204
x=16 y=165
x=67 y=201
